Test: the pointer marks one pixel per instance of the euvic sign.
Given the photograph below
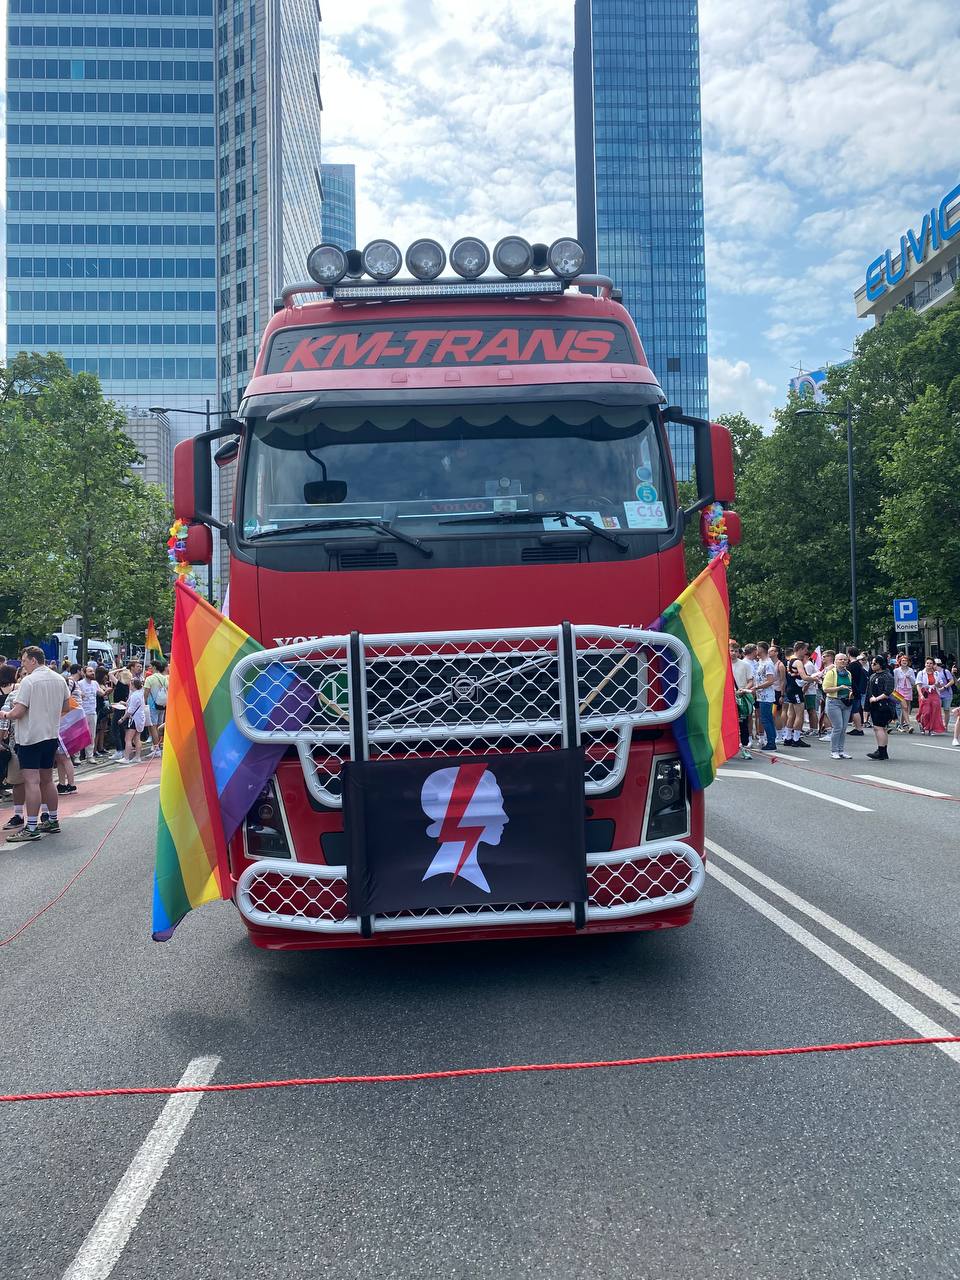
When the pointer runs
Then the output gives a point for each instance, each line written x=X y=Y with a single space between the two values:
x=935 y=230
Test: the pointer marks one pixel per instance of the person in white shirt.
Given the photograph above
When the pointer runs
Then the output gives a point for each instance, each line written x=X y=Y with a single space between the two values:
x=743 y=683
x=40 y=700
x=766 y=696
x=87 y=690
x=134 y=720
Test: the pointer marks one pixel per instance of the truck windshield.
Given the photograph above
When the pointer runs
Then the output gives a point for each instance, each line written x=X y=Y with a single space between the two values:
x=416 y=467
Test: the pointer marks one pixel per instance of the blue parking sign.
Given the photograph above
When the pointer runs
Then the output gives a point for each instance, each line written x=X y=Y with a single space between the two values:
x=906 y=611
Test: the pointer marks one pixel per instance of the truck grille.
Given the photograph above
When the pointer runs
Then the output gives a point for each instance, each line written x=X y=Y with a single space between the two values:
x=453 y=693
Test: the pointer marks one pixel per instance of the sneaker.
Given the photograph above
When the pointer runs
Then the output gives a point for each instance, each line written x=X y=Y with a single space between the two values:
x=800 y=743
x=744 y=754
x=118 y=756
x=66 y=788
x=13 y=824
x=835 y=755
x=855 y=733
x=825 y=737
x=844 y=756
x=22 y=837
x=955 y=743
x=49 y=828
x=124 y=760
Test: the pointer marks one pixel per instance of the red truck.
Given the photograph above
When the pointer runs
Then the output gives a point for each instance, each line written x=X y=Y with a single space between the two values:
x=455 y=523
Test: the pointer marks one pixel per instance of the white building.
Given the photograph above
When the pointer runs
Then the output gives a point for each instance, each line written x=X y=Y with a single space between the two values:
x=920 y=270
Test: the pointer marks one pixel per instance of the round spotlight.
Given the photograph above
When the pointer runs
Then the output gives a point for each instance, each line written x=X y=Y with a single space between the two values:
x=425 y=259
x=327 y=264
x=513 y=256
x=469 y=258
x=566 y=257
x=382 y=259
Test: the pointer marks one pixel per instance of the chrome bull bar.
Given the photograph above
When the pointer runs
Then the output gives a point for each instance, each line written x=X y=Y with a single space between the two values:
x=276 y=893
x=414 y=694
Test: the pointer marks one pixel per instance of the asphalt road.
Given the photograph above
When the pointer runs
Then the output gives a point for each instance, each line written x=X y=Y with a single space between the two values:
x=823 y=1165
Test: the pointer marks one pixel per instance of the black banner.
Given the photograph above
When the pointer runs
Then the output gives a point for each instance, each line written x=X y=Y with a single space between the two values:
x=442 y=343
x=467 y=830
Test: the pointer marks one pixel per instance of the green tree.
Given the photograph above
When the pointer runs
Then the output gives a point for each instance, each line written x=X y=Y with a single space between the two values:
x=923 y=507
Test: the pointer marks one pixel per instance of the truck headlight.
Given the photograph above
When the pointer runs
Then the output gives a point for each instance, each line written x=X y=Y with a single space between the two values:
x=566 y=257
x=513 y=256
x=327 y=264
x=469 y=257
x=667 y=815
x=425 y=259
x=382 y=259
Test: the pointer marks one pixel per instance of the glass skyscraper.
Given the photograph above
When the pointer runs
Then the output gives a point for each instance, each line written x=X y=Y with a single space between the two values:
x=110 y=173
x=270 y=191
x=340 y=205
x=640 y=182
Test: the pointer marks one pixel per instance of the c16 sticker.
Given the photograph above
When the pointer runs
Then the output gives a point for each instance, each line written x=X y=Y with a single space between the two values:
x=645 y=515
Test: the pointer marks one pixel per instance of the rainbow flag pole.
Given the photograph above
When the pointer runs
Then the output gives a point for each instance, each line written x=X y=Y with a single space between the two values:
x=708 y=732
x=211 y=774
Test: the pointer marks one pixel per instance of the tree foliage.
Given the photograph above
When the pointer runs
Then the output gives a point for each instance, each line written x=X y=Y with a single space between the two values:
x=87 y=534
x=791 y=576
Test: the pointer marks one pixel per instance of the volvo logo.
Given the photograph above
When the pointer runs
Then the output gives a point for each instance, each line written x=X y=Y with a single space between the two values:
x=463 y=689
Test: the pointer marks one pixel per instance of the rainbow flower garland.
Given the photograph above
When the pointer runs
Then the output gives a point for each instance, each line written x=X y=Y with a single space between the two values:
x=176 y=550
x=713 y=529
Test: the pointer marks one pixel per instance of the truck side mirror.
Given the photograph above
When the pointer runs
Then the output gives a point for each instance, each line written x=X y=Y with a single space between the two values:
x=199 y=545
x=713 y=454
x=192 y=479
x=721 y=448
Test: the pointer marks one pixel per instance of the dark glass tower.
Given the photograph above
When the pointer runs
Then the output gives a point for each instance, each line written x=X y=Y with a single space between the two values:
x=640 y=181
x=340 y=204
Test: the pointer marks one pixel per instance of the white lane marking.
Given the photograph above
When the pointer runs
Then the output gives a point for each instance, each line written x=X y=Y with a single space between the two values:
x=146 y=786
x=905 y=972
x=930 y=746
x=794 y=786
x=904 y=786
x=904 y=1012
x=88 y=813
x=99 y=1253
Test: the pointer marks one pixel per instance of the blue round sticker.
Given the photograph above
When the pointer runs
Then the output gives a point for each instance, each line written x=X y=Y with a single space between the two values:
x=645 y=475
x=646 y=493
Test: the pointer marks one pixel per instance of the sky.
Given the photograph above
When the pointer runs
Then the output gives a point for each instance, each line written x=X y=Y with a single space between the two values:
x=829 y=126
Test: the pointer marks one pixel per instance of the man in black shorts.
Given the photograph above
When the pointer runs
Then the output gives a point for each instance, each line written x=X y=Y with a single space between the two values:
x=40 y=700
x=793 y=696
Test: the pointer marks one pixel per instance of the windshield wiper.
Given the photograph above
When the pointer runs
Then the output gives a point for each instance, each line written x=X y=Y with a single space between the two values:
x=354 y=522
x=518 y=517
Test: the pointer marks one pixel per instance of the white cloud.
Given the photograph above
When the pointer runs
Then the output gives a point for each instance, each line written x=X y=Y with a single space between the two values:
x=735 y=389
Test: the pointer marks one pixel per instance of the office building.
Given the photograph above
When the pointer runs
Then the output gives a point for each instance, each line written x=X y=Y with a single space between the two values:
x=151 y=433
x=268 y=147
x=110 y=220
x=640 y=183
x=340 y=205
x=920 y=271
x=269 y=185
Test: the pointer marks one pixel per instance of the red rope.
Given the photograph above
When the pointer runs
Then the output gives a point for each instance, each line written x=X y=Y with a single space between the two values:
x=5 y=942
x=860 y=782
x=460 y=1073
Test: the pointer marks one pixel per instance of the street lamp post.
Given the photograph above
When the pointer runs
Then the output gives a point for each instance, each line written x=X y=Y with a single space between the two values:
x=851 y=502
x=196 y=413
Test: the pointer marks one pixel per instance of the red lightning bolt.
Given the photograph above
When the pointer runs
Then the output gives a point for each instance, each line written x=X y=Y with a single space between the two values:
x=451 y=832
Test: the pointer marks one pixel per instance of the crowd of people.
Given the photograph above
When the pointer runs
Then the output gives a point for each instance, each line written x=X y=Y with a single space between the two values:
x=124 y=709
x=786 y=696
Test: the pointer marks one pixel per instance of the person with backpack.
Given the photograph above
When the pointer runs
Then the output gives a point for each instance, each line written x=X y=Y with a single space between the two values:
x=155 y=688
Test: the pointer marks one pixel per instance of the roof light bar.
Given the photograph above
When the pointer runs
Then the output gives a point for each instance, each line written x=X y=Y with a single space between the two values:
x=446 y=289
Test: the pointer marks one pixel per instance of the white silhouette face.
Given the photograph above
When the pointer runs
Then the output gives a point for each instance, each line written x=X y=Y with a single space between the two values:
x=466 y=804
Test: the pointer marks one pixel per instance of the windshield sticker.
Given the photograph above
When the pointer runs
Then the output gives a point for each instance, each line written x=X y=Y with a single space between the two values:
x=645 y=475
x=563 y=522
x=647 y=494
x=645 y=515
x=475 y=343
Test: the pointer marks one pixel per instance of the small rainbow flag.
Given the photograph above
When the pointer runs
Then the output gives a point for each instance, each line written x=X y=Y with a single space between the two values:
x=211 y=774
x=152 y=643
x=708 y=733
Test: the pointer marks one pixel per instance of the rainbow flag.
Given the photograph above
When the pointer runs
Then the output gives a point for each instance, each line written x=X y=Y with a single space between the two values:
x=211 y=774
x=708 y=733
x=152 y=644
